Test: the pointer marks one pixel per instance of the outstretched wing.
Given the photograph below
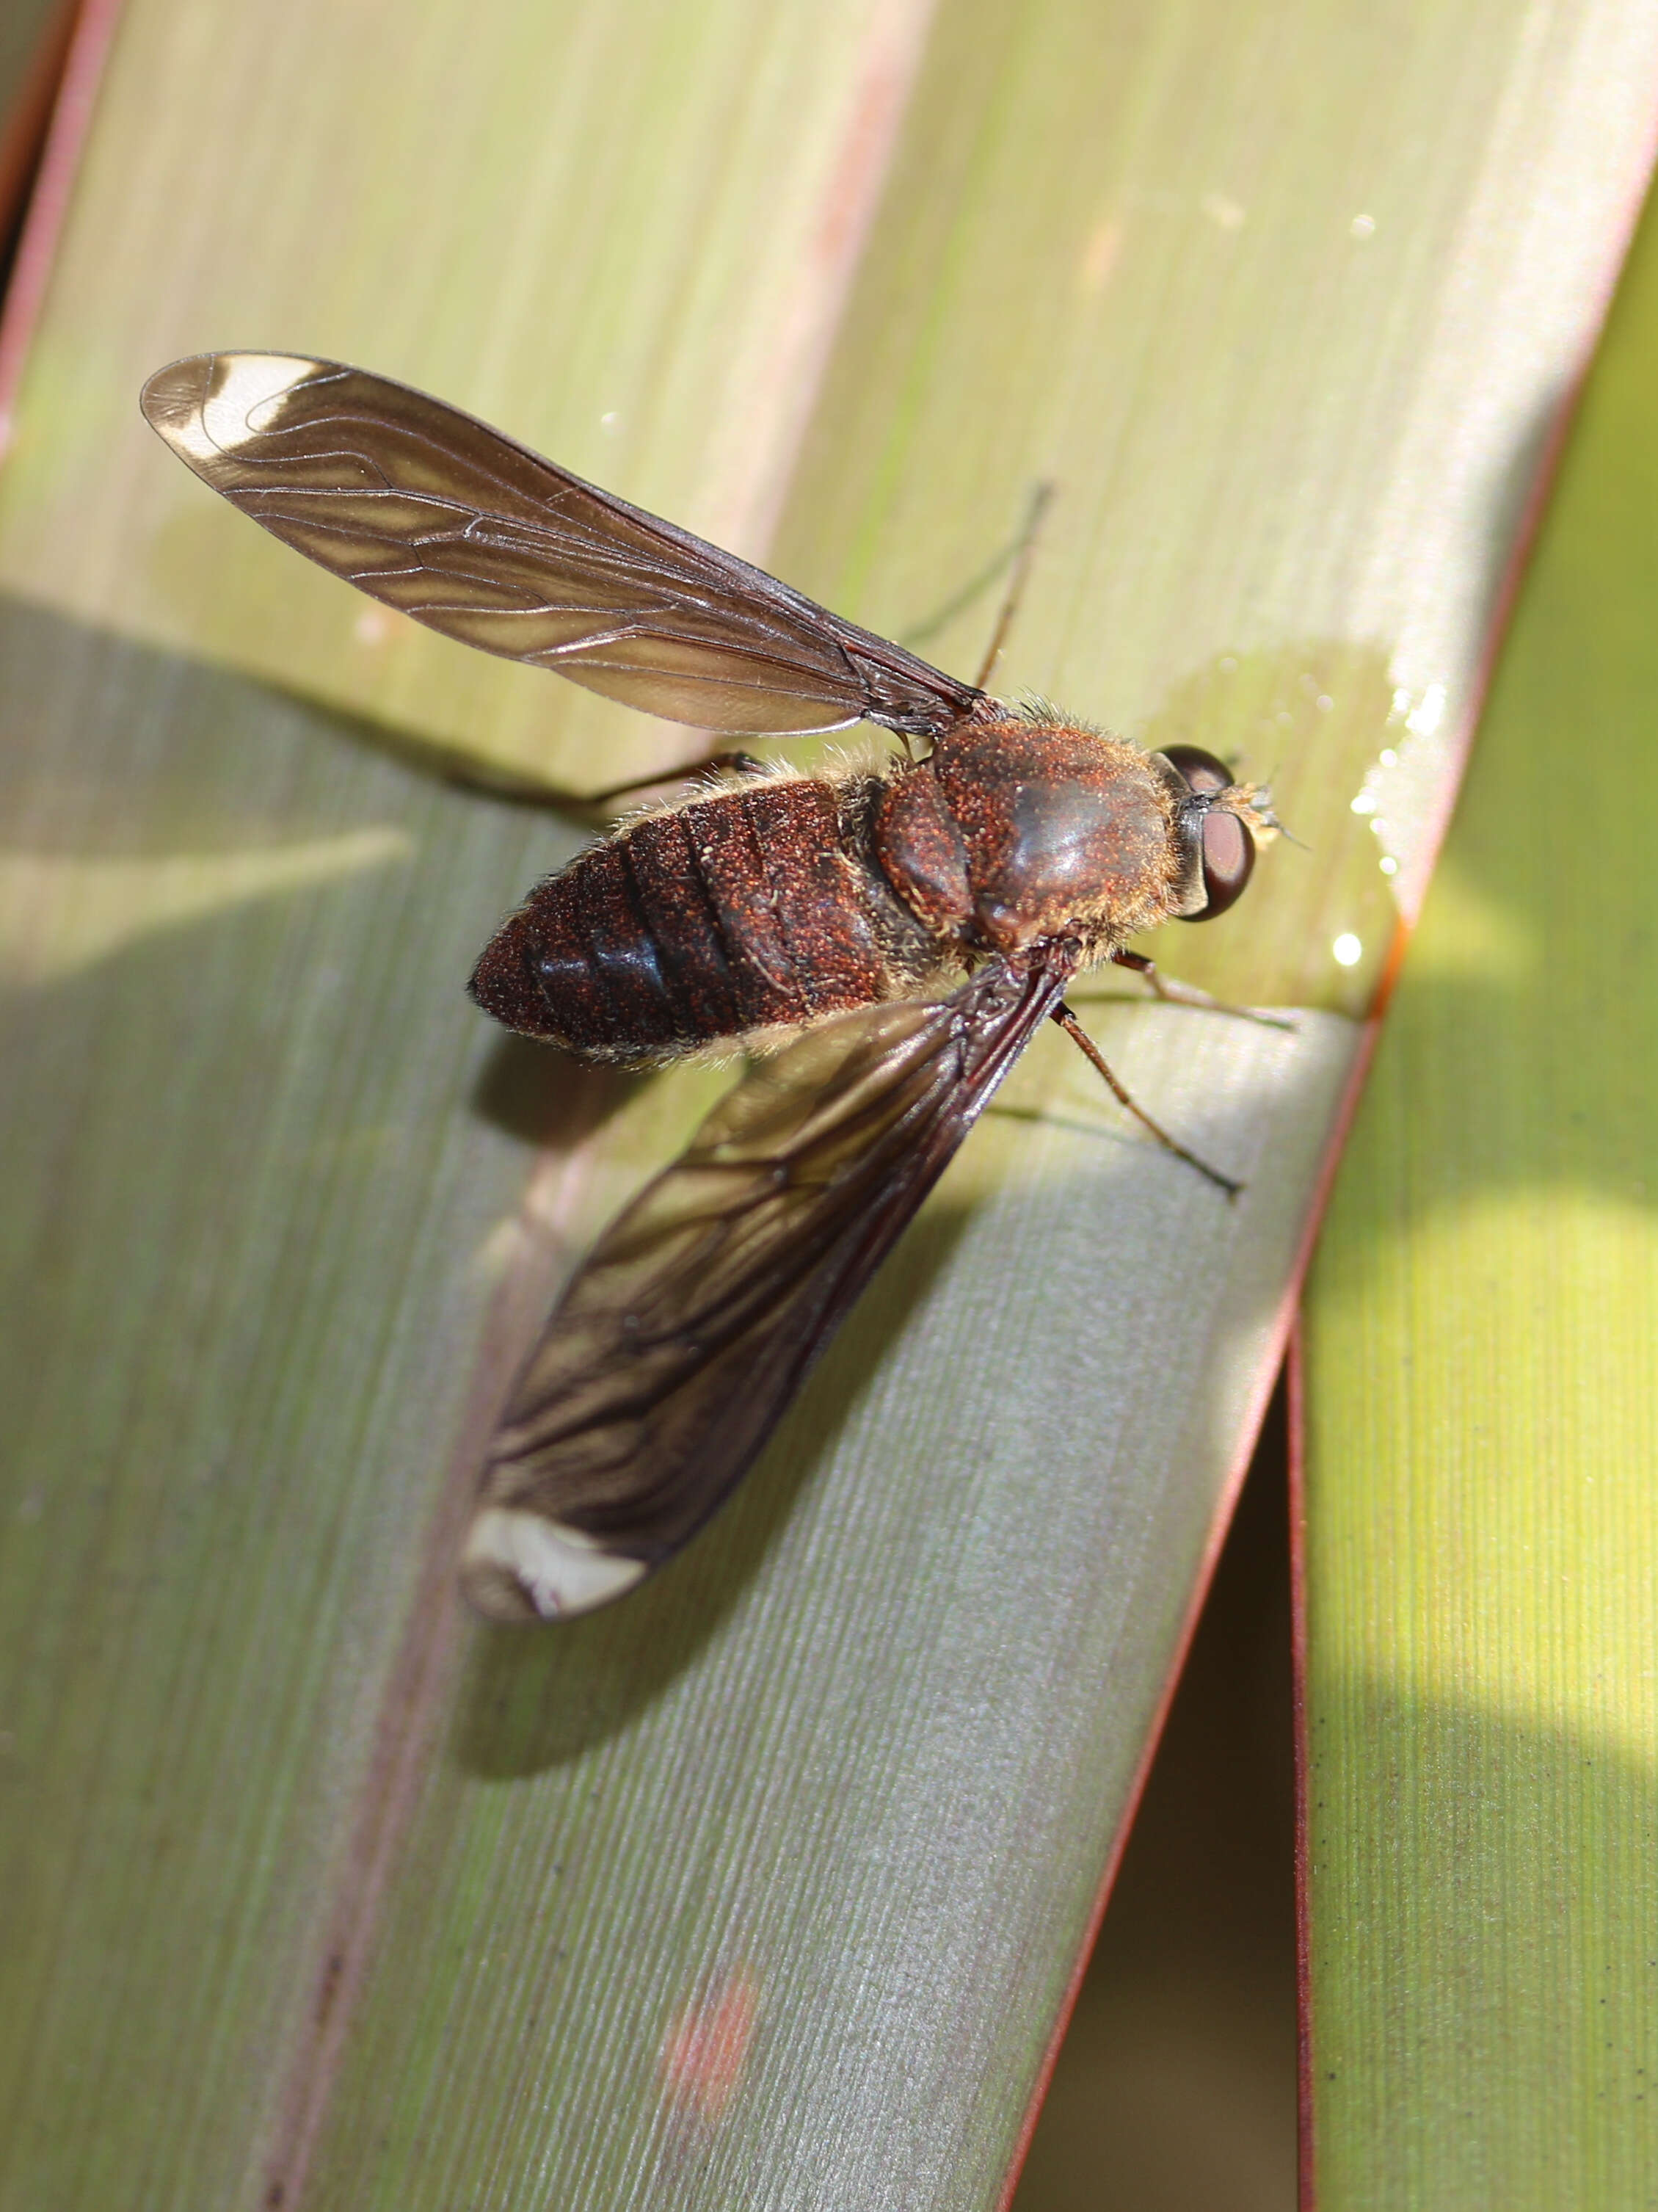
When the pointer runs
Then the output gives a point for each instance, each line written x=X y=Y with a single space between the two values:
x=432 y=512
x=696 y=1316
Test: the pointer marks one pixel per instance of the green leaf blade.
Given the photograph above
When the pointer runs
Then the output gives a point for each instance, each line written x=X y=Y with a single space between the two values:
x=1483 y=1421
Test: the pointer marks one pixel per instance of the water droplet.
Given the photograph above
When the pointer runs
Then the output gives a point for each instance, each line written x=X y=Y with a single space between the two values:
x=1425 y=719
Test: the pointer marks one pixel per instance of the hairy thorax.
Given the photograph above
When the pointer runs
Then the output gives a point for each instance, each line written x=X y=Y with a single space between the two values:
x=1013 y=829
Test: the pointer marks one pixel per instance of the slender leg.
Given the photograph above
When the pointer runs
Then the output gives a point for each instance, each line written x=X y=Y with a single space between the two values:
x=1015 y=557
x=1080 y=1037
x=1023 y=554
x=1183 y=994
x=743 y=763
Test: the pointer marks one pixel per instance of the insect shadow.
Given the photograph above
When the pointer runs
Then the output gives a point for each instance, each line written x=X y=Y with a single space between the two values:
x=523 y=1091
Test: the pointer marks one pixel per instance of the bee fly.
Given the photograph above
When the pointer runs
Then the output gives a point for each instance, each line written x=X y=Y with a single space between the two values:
x=1006 y=846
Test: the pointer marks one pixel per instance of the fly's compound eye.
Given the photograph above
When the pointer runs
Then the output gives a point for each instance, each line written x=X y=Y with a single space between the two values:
x=1227 y=848
x=1229 y=860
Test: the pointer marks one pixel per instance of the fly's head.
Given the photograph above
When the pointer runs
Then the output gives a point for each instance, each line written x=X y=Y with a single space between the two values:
x=1217 y=826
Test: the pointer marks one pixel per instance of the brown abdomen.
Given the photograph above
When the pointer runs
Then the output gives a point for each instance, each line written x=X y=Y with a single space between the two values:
x=732 y=914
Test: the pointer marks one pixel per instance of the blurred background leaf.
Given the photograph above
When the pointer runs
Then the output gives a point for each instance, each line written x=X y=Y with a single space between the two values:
x=34 y=39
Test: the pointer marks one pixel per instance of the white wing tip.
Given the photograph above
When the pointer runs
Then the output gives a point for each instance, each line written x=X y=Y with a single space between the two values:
x=208 y=404
x=521 y=1567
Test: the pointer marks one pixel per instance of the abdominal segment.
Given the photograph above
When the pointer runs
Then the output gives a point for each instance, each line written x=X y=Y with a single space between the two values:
x=730 y=914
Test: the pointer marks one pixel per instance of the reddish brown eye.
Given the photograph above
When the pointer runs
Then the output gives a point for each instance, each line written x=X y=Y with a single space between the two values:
x=1228 y=849
x=1228 y=855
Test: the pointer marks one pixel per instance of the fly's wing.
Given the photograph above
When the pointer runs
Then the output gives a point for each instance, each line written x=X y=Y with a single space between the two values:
x=435 y=513
x=696 y=1316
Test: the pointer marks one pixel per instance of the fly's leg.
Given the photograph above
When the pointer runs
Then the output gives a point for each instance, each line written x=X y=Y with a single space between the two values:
x=525 y=791
x=1080 y=1037
x=1023 y=554
x=1014 y=561
x=713 y=764
x=1183 y=994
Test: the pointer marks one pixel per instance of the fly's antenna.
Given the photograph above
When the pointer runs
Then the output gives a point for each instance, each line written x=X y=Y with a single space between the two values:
x=1258 y=804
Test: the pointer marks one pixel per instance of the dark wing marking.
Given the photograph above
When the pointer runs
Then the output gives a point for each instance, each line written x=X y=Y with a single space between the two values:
x=696 y=1316
x=432 y=512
